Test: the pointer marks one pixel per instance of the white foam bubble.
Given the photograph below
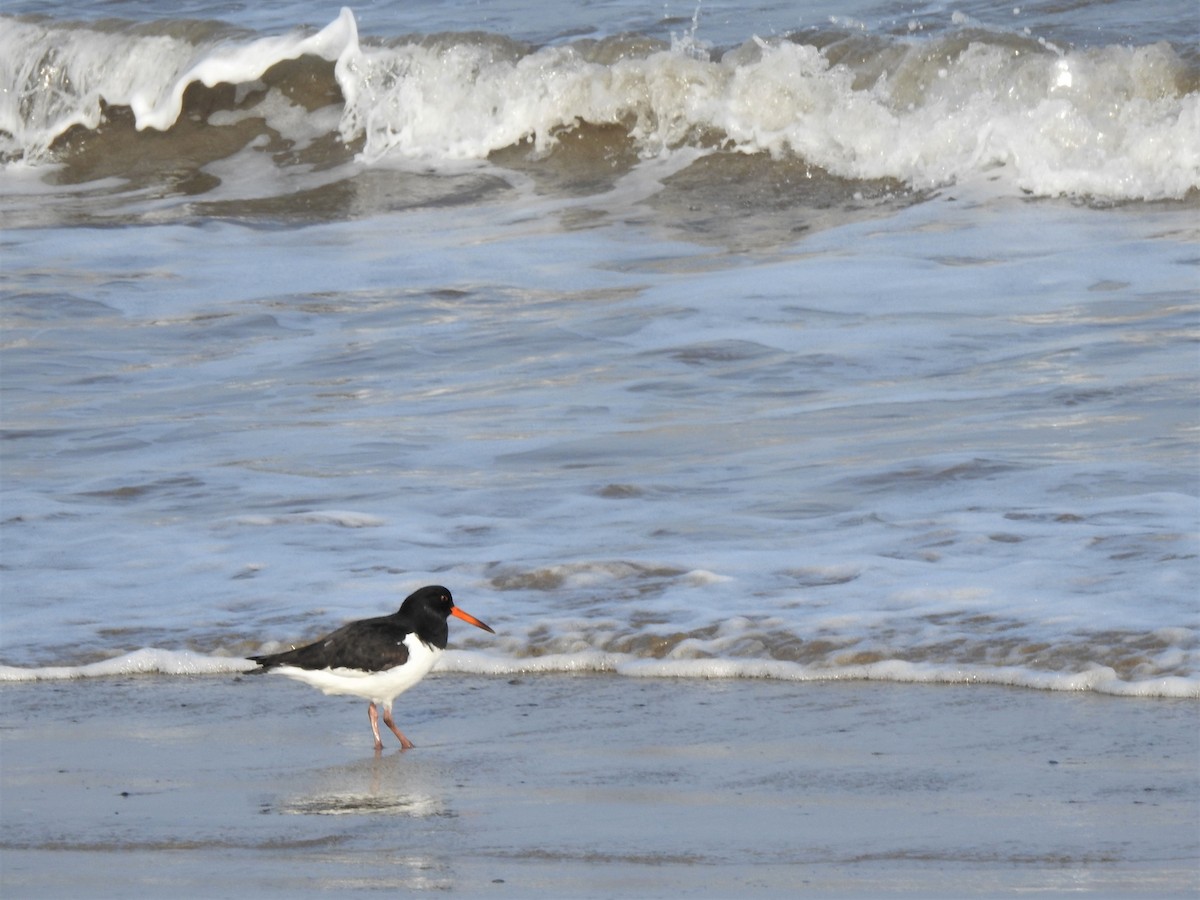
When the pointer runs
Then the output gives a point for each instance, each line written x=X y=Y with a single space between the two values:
x=340 y=518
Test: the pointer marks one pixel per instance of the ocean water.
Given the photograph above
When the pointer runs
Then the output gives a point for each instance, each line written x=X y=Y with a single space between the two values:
x=797 y=341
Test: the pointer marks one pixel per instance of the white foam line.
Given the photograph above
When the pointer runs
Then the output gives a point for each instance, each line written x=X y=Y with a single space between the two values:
x=145 y=661
x=1099 y=679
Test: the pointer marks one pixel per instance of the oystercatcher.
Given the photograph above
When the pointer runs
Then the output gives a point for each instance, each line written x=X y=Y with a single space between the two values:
x=379 y=658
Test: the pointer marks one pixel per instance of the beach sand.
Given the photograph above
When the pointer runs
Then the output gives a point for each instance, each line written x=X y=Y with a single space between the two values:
x=594 y=786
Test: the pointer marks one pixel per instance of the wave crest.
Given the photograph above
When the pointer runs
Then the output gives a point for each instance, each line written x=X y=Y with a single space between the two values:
x=1109 y=122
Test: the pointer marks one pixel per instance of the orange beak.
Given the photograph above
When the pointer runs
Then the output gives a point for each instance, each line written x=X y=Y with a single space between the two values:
x=467 y=617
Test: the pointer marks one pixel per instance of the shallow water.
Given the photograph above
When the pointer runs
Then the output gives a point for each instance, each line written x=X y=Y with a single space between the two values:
x=556 y=786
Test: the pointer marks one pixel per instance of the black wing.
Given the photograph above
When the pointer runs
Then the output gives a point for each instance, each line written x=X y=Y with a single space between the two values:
x=370 y=645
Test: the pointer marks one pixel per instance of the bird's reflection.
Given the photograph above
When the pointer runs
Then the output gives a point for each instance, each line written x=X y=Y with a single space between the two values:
x=388 y=785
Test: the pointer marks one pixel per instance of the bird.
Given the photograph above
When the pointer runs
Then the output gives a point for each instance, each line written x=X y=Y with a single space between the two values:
x=379 y=658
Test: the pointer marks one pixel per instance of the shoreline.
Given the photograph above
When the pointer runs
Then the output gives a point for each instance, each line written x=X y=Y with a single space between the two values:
x=595 y=785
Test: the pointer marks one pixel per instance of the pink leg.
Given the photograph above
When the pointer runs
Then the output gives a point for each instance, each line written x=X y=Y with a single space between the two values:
x=405 y=743
x=371 y=711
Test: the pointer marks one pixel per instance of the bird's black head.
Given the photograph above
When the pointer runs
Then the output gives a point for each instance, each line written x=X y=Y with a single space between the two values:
x=435 y=602
x=432 y=598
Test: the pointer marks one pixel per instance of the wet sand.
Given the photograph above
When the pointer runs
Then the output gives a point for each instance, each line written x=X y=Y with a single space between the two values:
x=595 y=786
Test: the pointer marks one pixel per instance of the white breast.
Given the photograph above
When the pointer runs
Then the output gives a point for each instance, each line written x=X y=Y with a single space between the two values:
x=380 y=687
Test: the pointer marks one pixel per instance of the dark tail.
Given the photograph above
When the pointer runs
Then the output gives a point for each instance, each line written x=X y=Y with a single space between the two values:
x=307 y=657
x=263 y=665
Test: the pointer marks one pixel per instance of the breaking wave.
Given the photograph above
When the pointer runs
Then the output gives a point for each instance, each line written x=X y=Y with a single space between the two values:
x=1116 y=123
